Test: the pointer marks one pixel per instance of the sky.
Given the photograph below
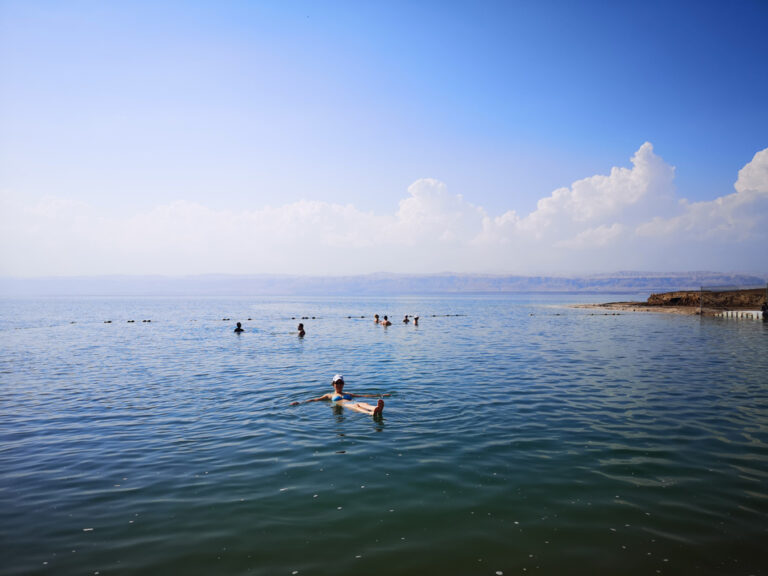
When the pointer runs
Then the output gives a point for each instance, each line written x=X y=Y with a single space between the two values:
x=331 y=138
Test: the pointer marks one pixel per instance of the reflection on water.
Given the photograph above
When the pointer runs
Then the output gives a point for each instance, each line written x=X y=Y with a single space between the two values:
x=521 y=435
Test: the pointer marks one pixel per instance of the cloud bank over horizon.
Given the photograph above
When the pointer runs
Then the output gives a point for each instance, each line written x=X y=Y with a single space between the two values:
x=630 y=218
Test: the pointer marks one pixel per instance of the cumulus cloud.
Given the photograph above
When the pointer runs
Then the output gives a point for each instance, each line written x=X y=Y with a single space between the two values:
x=753 y=178
x=594 y=237
x=589 y=208
x=740 y=217
x=628 y=218
x=599 y=198
x=431 y=213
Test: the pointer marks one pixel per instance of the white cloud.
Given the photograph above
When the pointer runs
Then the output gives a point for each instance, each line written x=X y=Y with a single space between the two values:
x=593 y=237
x=753 y=178
x=740 y=217
x=594 y=210
x=431 y=213
x=626 y=194
x=628 y=218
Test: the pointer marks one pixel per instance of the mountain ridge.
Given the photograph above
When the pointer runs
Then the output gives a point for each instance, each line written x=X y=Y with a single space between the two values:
x=374 y=284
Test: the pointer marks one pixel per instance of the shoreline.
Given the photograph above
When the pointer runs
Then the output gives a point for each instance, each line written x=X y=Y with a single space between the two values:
x=648 y=308
x=688 y=302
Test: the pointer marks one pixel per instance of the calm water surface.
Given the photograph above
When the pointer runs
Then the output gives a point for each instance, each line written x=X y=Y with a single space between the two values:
x=522 y=437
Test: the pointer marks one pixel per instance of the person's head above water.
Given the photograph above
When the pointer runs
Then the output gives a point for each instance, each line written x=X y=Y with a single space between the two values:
x=239 y=325
x=338 y=381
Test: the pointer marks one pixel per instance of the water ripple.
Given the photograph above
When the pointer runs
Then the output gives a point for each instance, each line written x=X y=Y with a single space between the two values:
x=515 y=440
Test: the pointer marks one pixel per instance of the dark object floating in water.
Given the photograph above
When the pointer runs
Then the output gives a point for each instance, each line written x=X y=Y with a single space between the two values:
x=225 y=319
x=107 y=321
x=131 y=321
x=249 y=319
x=146 y=320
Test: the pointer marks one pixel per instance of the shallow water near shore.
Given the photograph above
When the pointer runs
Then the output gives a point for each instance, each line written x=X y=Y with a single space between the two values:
x=522 y=436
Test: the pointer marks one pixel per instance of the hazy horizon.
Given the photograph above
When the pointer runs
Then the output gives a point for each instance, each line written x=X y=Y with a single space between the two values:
x=224 y=285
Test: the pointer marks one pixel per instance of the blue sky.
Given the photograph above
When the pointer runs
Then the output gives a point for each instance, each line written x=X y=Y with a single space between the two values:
x=137 y=135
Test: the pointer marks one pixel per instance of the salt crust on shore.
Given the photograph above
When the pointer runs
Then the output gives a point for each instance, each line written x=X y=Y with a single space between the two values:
x=644 y=307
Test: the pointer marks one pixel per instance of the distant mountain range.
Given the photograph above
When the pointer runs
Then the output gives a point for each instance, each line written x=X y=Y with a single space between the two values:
x=369 y=284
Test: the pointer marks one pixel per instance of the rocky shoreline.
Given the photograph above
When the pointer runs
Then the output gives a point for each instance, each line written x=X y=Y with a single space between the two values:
x=691 y=302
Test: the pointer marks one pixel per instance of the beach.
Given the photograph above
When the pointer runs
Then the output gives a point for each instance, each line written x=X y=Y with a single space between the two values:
x=645 y=307
x=690 y=302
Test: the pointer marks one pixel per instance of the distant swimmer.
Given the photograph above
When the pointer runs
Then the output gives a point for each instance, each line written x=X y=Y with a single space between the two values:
x=301 y=331
x=405 y=320
x=415 y=320
x=386 y=322
x=239 y=328
x=375 y=318
x=341 y=398
x=765 y=311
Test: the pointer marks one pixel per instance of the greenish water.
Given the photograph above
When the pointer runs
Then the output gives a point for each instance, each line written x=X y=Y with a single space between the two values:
x=522 y=436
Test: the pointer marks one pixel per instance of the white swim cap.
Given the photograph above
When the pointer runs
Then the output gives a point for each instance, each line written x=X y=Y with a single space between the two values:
x=337 y=378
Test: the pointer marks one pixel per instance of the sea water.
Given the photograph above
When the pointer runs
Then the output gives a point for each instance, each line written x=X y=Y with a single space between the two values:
x=522 y=436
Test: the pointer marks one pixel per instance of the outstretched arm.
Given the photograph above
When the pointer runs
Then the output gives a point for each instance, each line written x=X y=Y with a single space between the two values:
x=370 y=395
x=323 y=397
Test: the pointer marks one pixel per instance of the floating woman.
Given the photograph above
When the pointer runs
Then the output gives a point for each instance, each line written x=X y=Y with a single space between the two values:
x=339 y=397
